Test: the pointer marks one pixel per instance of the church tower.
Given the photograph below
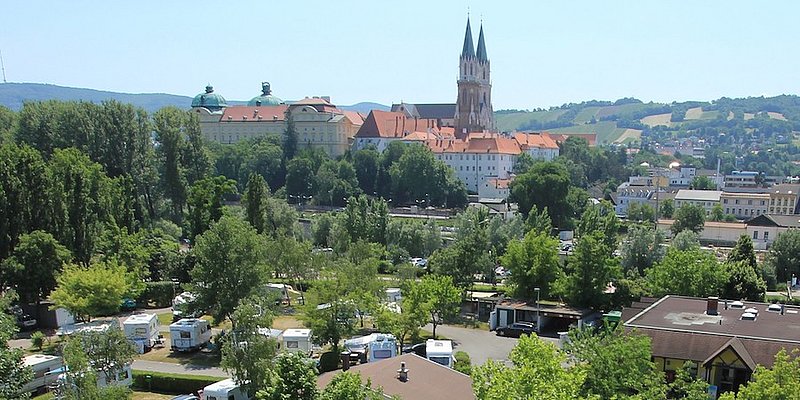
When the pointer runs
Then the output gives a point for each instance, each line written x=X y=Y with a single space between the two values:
x=474 y=104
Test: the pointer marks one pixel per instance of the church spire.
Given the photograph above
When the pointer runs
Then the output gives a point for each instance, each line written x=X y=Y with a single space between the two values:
x=469 y=50
x=482 y=47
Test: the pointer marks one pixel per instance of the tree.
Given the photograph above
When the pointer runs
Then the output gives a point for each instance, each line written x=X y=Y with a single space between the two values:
x=589 y=270
x=641 y=212
x=417 y=176
x=367 y=162
x=534 y=264
x=205 y=202
x=641 y=249
x=539 y=221
x=299 y=174
x=546 y=184
x=230 y=266
x=255 y=202
x=470 y=253
x=782 y=382
x=349 y=386
x=366 y=219
x=617 y=364
x=686 y=240
x=13 y=373
x=537 y=372
x=91 y=291
x=743 y=282
x=291 y=258
x=411 y=317
x=265 y=158
x=34 y=264
x=289 y=144
x=689 y=216
x=667 y=208
x=784 y=255
x=687 y=273
x=247 y=353
x=321 y=229
x=441 y=299
x=686 y=386
x=168 y=122
x=335 y=182
x=702 y=182
x=743 y=251
x=330 y=311
x=89 y=354
x=600 y=218
x=717 y=214
x=294 y=378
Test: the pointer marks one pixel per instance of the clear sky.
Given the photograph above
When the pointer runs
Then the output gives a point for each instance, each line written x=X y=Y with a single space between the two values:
x=543 y=53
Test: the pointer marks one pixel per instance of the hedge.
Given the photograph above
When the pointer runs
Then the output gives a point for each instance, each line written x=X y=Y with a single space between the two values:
x=171 y=383
x=463 y=363
x=158 y=293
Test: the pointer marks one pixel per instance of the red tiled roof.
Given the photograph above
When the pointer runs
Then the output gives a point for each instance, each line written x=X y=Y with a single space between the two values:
x=499 y=183
x=312 y=101
x=539 y=140
x=447 y=131
x=252 y=114
x=387 y=124
x=355 y=117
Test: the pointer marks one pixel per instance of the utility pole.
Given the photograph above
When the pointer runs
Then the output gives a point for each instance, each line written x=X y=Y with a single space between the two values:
x=3 y=67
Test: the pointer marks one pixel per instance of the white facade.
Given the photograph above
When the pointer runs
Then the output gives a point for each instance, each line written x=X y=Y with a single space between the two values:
x=744 y=205
x=475 y=168
x=494 y=188
x=704 y=198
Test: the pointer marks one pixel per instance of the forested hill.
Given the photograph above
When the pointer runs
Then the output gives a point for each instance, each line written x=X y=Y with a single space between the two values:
x=13 y=95
x=626 y=119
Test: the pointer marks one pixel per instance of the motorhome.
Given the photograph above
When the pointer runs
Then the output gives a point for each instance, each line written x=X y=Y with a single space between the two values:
x=280 y=289
x=41 y=364
x=224 y=390
x=98 y=325
x=296 y=340
x=393 y=295
x=180 y=305
x=142 y=330
x=440 y=352
x=189 y=334
x=122 y=377
x=373 y=347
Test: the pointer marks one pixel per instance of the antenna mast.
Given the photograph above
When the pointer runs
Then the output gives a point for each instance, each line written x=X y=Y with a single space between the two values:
x=3 y=67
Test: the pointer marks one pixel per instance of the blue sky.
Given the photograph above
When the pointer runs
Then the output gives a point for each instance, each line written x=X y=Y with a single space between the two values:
x=543 y=53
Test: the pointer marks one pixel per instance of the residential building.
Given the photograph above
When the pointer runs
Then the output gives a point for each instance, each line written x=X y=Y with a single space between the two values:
x=764 y=229
x=724 y=339
x=743 y=179
x=409 y=376
x=383 y=127
x=628 y=193
x=474 y=103
x=540 y=146
x=744 y=205
x=703 y=198
x=494 y=188
x=783 y=199
x=318 y=123
x=479 y=157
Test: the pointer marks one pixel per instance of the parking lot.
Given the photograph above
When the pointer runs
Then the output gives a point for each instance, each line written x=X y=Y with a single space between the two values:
x=481 y=345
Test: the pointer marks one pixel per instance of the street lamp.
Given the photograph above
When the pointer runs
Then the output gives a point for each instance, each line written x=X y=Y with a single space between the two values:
x=538 y=319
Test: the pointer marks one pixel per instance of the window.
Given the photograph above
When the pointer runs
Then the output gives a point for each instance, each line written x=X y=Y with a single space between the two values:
x=725 y=201
x=755 y=234
x=292 y=344
x=749 y=202
x=186 y=335
x=766 y=236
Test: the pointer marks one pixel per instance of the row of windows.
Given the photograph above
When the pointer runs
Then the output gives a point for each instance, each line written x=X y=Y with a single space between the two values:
x=755 y=235
x=749 y=202
x=778 y=210
x=781 y=202
x=743 y=211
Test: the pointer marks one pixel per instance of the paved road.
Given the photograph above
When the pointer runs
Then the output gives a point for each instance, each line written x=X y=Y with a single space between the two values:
x=172 y=368
x=479 y=344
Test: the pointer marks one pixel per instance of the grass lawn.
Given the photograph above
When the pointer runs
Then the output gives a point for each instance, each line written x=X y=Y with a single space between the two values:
x=165 y=319
x=606 y=131
x=284 y=322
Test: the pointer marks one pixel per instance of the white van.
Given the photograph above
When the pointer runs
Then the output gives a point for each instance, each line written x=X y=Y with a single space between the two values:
x=224 y=390
x=189 y=334
x=142 y=330
x=41 y=364
x=440 y=352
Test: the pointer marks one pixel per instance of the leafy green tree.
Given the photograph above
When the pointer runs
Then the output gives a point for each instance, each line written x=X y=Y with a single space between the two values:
x=782 y=382
x=255 y=202
x=641 y=249
x=92 y=355
x=335 y=182
x=600 y=218
x=168 y=123
x=686 y=240
x=246 y=353
x=641 y=212
x=366 y=219
x=205 y=202
x=743 y=282
x=13 y=373
x=265 y=158
x=667 y=208
x=686 y=386
x=546 y=184
x=417 y=238
x=37 y=340
x=589 y=270
x=689 y=216
x=523 y=163
x=331 y=309
x=417 y=176
x=694 y=273
x=441 y=298
x=501 y=231
x=534 y=263
x=537 y=372
x=349 y=386
x=367 y=162
x=321 y=230
x=8 y=125
x=289 y=144
x=743 y=251
x=91 y=291
x=294 y=378
x=702 y=182
x=291 y=258
x=717 y=214
x=299 y=173
x=784 y=255
x=280 y=218
x=539 y=221
x=405 y=324
x=617 y=364
x=470 y=253
x=34 y=264
x=230 y=266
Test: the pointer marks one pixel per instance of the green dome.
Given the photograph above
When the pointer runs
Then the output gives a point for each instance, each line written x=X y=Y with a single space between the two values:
x=209 y=100
x=266 y=98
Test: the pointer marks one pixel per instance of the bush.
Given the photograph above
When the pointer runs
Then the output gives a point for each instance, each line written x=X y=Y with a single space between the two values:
x=463 y=363
x=328 y=362
x=170 y=383
x=37 y=340
x=158 y=293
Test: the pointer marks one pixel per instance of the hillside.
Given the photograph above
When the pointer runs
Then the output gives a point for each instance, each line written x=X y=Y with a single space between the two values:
x=13 y=95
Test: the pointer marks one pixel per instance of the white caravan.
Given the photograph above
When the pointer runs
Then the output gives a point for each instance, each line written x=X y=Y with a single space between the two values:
x=41 y=364
x=297 y=340
x=440 y=352
x=142 y=330
x=280 y=289
x=377 y=346
x=98 y=325
x=189 y=334
x=224 y=390
x=123 y=377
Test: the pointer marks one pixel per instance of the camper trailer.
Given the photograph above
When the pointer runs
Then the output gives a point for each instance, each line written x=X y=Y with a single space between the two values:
x=373 y=347
x=440 y=352
x=297 y=340
x=123 y=377
x=280 y=290
x=98 y=325
x=224 y=390
x=189 y=334
x=41 y=364
x=142 y=330
x=393 y=295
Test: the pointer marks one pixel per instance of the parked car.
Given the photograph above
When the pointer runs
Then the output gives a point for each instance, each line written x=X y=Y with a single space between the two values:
x=23 y=319
x=418 y=349
x=517 y=329
x=127 y=304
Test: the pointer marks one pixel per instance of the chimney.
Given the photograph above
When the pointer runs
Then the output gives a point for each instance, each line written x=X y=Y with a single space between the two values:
x=402 y=373
x=345 y=356
x=711 y=305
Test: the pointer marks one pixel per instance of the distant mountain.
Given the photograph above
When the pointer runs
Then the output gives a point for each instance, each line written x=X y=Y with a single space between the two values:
x=13 y=95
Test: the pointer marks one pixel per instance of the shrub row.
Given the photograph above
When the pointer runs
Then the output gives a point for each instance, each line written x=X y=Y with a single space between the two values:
x=170 y=383
x=159 y=294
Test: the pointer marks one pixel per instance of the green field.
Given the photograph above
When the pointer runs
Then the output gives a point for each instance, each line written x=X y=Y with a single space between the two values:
x=606 y=131
x=513 y=121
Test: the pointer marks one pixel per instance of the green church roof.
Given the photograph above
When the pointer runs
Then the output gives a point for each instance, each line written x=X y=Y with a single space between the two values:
x=209 y=100
x=265 y=98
